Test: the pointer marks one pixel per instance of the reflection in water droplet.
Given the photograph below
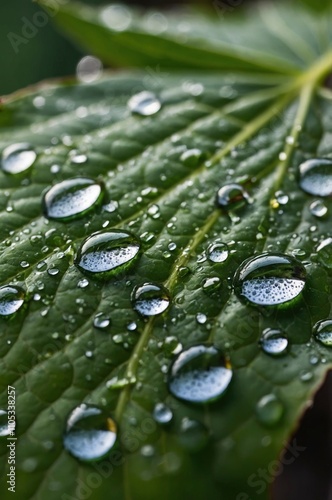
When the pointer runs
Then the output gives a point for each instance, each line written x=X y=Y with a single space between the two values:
x=273 y=342
x=106 y=254
x=324 y=252
x=72 y=199
x=318 y=208
x=144 y=104
x=101 y=320
x=150 y=299
x=199 y=374
x=162 y=414
x=17 y=158
x=269 y=279
x=90 y=433
x=316 y=176
x=11 y=300
x=217 y=252
x=323 y=332
x=269 y=410
x=231 y=196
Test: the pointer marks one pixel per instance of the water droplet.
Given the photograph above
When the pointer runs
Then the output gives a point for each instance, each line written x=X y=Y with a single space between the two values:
x=90 y=433
x=112 y=206
x=323 y=332
x=199 y=374
x=11 y=300
x=89 y=69
x=106 y=254
x=116 y=17
x=7 y=425
x=281 y=198
x=217 y=252
x=172 y=345
x=53 y=271
x=78 y=159
x=201 y=318
x=72 y=199
x=231 y=196
x=324 y=252
x=318 y=208
x=273 y=342
x=316 y=176
x=150 y=299
x=17 y=158
x=144 y=104
x=101 y=320
x=211 y=284
x=269 y=410
x=83 y=283
x=162 y=414
x=269 y=279
x=191 y=157
x=132 y=326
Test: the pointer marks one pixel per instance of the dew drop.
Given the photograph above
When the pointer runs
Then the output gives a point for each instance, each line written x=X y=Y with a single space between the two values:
x=89 y=69
x=162 y=414
x=324 y=252
x=199 y=374
x=107 y=253
x=101 y=321
x=318 y=209
x=316 y=176
x=269 y=279
x=231 y=196
x=201 y=318
x=273 y=342
x=217 y=252
x=269 y=410
x=150 y=299
x=144 y=104
x=191 y=157
x=11 y=300
x=323 y=332
x=17 y=158
x=90 y=433
x=6 y=426
x=72 y=198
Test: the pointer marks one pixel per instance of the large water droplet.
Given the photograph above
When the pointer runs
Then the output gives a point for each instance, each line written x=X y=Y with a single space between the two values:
x=106 y=254
x=17 y=158
x=231 y=196
x=150 y=299
x=269 y=410
x=162 y=414
x=199 y=374
x=90 y=433
x=269 y=279
x=273 y=342
x=217 y=252
x=323 y=332
x=72 y=198
x=144 y=104
x=11 y=300
x=316 y=176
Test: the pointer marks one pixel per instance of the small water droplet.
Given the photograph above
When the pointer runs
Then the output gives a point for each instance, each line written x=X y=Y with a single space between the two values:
x=112 y=206
x=231 y=196
x=144 y=104
x=316 y=176
x=150 y=299
x=322 y=332
x=211 y=284
x=11 y=300
x=101 y=320
x=199 y=374
x=90 y=433
x=324 y=252
x=89 y=69
x=83 y=283
x=17 y=158
x=191 y=157
x=318 y=208
x=107 y=253
x=132 y=326
x=273 y=342
x=217 y=252
x=162 y=414
x=72 y=198
x=7 y=424
x=53 y=271
x=201 y=318
x=269 y=410
x=269 y=279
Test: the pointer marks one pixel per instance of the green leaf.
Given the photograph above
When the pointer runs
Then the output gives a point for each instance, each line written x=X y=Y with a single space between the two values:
x=247 y=128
